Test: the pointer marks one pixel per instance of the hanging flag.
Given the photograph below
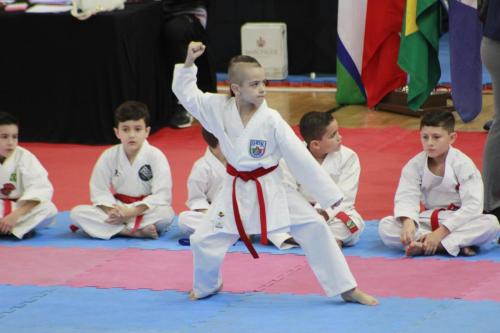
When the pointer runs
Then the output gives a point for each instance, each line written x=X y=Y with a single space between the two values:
x=465 y=58
x=367 y=50
x=380 y=72
x=350 y=37
x=418 y=52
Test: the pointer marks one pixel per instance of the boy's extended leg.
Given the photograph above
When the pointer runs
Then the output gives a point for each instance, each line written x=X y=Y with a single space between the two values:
x=209 y=248
x=326 y=259
x=322 y=252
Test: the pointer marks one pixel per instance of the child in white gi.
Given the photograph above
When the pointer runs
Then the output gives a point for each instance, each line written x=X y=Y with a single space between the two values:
x=204 y=182
x=450 y=188
x=321 y=134
x=26 y=191
x=131 y=184
x=254 y=138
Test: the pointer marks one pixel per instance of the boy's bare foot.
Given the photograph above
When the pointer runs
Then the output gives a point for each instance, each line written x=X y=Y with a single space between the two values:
x=468 y=251
x=415 y=249
x=340 y=243
x=193 y=297
x=146 y=232
x=358 y=296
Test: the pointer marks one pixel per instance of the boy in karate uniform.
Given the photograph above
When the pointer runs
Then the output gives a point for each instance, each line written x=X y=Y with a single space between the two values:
x=204 y=182
x=321 y=134
x=450 y=188
x=254 y=138
x=138 y=174
x=26 y=191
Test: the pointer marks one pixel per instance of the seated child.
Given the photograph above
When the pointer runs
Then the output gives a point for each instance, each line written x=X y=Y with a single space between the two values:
x=204 y=183
x=131 y=184
x=321 y=134
x=26 y=191
x=254 y=138
x=449 y=186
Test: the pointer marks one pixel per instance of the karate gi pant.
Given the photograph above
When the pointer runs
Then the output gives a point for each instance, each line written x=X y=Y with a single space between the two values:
x=42 y=215
x=190 y=220
x=325 y=258
x=478 y=231
x=92 y=220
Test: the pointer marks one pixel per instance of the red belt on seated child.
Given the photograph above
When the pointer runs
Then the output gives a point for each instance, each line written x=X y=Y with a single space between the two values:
x=7 y=206
x=435 y=215
x=246 y=176
x=129 y=200
x=125 y=199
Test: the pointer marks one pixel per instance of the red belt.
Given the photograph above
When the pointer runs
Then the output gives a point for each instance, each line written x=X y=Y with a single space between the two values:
x=7 y=206
x=246 y=176
x=342 y=216
x=128 y=200
x=435 y=215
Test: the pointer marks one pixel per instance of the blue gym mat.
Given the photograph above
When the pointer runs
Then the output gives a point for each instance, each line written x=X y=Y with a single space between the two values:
x=69 y=310
x=60 y=235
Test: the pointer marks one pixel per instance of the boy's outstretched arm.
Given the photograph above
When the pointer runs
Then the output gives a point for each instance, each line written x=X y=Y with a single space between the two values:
x=194 y=50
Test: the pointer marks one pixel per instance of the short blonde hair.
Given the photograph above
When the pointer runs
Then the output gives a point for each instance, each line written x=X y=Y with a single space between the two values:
x=236 y=64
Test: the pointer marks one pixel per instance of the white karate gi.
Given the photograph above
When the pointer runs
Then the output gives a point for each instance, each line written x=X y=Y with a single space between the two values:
x=23 y=178
x=148 y=176
x=261 y=143
x=344 y=168
x=461 y=186
x=204 y=182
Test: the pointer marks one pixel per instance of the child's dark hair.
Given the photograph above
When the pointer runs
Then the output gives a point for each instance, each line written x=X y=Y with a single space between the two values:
x=313 y=125
x=8 y=119
x=131 y=110
x=209 y=138
x=441 y=118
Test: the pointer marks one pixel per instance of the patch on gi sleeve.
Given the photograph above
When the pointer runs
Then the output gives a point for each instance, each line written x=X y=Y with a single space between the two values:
x=145 y=172
x=257 y=148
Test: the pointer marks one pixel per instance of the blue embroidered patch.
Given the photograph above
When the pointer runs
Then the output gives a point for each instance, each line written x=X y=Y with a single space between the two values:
x=257 y=148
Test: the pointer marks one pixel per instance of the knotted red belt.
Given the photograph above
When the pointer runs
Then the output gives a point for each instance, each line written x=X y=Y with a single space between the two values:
x=246 y=176
x=128 y=200
x=435 y=215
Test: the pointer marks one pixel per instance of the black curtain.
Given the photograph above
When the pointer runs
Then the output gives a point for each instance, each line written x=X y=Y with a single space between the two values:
x=311 y=30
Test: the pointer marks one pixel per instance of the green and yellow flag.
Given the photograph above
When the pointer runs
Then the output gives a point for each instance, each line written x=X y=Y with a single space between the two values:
x=418 y=51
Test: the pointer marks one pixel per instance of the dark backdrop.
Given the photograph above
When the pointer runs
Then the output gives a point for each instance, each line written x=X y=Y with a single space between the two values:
x=311 y=30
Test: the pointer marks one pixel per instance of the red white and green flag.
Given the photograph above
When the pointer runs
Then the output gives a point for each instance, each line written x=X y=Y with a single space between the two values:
x=367 y=50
